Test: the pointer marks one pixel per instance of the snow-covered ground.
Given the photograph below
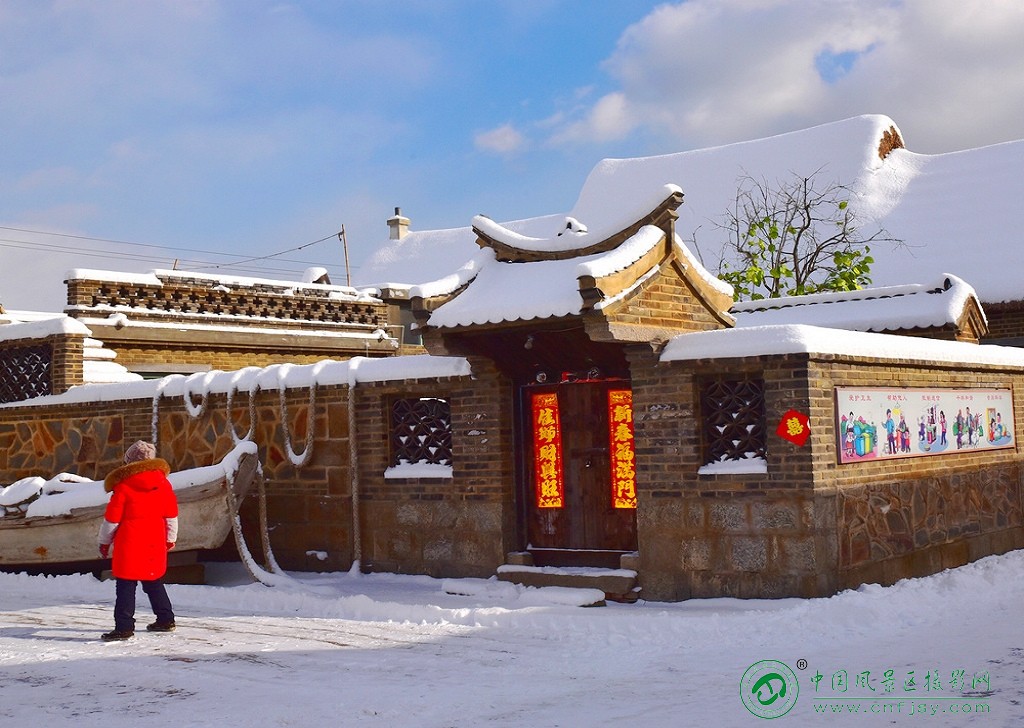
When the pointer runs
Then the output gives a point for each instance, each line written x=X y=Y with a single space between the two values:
x=385 y=650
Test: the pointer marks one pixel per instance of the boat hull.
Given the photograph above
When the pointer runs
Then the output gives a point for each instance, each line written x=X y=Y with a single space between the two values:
x=205 y=519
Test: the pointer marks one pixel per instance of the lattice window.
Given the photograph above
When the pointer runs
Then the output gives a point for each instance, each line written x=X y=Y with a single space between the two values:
x=421 y=431
x=25 y=372
x=733 y=417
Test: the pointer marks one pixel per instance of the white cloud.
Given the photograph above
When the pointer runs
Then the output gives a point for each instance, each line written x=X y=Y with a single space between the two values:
x=49 y=178
x=950 y=72
x=505 y=139
x=611 y=118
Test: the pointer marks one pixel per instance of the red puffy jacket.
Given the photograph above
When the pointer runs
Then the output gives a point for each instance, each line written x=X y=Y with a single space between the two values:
x=141 y=504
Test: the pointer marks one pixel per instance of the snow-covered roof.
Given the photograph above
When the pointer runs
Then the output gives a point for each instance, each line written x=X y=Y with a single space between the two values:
x=512 y=291
x=954 y=212
x=572 y=234
x=801 y=339
x=887 y=308
x=496 y=289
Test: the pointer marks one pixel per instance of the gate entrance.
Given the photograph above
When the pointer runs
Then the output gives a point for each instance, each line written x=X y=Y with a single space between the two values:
x=580 y=466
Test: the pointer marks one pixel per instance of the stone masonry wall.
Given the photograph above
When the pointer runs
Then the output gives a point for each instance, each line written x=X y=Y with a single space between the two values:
x=742 y=535
x=810 y=526
x=453 y=527
x=462 y=526
x=916 y=516
x=309 y=508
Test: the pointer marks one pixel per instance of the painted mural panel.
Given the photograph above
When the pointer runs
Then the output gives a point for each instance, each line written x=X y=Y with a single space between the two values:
x=879 y=424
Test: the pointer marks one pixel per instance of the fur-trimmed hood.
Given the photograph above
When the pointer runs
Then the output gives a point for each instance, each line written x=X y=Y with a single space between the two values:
x=126 y=471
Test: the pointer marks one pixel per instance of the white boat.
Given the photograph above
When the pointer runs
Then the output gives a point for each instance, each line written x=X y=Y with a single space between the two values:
x=60 y=529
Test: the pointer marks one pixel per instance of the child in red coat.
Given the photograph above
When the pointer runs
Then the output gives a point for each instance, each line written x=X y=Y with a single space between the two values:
x=141 y=523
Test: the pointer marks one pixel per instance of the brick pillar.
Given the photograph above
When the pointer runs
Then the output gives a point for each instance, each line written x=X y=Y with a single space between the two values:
x=67 y=369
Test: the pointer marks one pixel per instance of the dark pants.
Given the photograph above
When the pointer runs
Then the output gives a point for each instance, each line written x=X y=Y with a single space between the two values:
x=124 y=606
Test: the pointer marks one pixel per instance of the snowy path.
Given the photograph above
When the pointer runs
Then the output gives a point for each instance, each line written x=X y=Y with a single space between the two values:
x=385 y=650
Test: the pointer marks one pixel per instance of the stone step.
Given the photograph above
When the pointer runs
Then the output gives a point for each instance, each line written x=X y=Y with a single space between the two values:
x=618 y=585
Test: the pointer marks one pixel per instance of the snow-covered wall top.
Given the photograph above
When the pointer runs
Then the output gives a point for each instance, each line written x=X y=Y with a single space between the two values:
x=157 y=278
x=274 y=377
x=798 y=339
x=122 y=321
x=871 y=309
x=42 y=328
x=955 y=212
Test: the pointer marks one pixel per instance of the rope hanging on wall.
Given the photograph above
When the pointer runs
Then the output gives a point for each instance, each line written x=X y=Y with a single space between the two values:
x=297 y=459
x=196 y=411
x=276 y=574
x=155 y=422
x=252 y=414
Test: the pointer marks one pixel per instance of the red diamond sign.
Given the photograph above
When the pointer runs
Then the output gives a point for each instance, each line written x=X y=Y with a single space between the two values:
x=794 y=427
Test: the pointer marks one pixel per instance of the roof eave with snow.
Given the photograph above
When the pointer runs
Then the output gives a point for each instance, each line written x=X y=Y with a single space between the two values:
x=785 y=339
x=949 y=303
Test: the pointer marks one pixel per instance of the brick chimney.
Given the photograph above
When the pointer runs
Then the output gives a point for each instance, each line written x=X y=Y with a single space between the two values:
x=398 y=225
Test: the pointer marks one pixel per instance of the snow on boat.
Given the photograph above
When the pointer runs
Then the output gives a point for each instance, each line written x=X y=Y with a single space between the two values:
x=55 y=522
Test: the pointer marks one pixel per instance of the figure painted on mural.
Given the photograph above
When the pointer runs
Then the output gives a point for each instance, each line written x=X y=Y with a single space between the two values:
x=942 y=427
x=970 y=424
x=848 y=443
x=904 y=433
x=932 y=435
x=890 y=433
x=140 y=526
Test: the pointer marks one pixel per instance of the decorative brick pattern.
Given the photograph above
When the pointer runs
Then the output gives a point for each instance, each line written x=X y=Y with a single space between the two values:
x=197 y=299
x=732 y=415
x=421 y=431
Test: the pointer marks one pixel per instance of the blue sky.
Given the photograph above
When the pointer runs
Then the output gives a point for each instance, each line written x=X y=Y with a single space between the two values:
x=218 y=130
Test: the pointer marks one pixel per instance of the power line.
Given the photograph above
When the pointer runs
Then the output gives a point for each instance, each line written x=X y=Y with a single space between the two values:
x=25 y=245
x=207 y=264
x=274 y=255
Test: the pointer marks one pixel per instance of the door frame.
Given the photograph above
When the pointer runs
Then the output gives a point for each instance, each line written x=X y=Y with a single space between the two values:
x=526 y=511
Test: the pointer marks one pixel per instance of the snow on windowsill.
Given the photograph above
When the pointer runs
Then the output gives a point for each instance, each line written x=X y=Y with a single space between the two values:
x=752 y=465
x=418 y=470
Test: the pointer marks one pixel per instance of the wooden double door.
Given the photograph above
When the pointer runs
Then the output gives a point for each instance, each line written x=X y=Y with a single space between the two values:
x=579 y=471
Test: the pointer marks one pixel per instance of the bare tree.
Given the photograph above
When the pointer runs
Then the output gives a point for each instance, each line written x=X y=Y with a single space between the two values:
x=794 y=237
